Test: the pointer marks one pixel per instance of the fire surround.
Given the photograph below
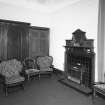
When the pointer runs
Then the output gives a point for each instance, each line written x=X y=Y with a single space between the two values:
x=79 y=60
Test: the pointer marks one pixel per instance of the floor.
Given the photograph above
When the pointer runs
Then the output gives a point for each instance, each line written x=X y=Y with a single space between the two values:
x=47 y=91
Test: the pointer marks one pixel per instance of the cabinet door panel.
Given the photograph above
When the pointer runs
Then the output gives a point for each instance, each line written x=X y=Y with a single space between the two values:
x=17 y=44
x=34 y=43
x=44 y=34
x=44 y=46
x=14 y=43
x=3 y=40
x=13 y=40
x=38 y=42
x=24 y=42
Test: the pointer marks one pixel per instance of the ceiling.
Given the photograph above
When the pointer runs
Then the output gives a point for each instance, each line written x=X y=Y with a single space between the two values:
x=41 y=5
x=50 y=2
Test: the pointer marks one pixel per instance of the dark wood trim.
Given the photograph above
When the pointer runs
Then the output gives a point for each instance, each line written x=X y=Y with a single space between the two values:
x=39 y=28
x=11 y=21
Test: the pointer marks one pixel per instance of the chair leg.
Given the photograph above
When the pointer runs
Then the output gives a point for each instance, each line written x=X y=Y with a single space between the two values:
x=50 y=75
x=28 y=77
x=39 y=75
x=6 y=91
x=22 y=85
x=5 y=88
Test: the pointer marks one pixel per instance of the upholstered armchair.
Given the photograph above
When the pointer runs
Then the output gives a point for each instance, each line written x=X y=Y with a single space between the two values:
x=45 y=65
x=30 y=68
x=10 y=74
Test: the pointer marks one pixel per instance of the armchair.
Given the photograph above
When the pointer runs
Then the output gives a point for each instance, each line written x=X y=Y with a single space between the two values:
x=30 y=68
x=45 y=65
x=10 y=74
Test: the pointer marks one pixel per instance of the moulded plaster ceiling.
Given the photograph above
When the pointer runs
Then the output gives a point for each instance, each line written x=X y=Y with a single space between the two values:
x=42 y=5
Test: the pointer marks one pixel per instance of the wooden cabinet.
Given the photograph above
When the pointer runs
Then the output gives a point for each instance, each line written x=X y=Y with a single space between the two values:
x=38 y=41
x=13 y=40
x=20 y=40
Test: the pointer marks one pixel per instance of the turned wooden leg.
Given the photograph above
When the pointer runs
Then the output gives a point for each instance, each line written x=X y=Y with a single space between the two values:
x=94 y=93
x=28 y=77
x=39 y=75
x=6 y=91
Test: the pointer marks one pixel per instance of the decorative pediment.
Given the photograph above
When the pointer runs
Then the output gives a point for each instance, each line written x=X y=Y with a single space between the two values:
x=78 y=36
x=79 y=39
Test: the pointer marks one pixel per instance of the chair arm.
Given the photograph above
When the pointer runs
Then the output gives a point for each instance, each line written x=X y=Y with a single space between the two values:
x=52 y=66
x=22 y=73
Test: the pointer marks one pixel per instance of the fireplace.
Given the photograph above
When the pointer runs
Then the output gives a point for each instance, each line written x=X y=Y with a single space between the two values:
x=79 y=59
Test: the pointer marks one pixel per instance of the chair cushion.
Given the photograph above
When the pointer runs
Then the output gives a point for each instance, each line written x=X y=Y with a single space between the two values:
x=30 y=71
x=14 y=79
x=46 y=69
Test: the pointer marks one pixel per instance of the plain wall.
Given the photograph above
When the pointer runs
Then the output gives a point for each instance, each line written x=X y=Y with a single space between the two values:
x=19 y=13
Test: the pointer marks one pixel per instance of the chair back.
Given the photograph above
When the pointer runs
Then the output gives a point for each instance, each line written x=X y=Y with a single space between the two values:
x=10 y=67
x=29 y=63
x=44 y=61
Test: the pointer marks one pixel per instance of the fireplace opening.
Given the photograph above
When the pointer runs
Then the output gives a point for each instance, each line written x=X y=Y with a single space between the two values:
x=76 y=73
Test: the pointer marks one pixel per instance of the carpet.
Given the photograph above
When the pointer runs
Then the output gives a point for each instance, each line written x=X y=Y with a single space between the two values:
x=46 y=91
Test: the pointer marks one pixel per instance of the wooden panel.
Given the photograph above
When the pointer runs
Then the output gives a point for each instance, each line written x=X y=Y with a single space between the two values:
x=34 y=43
x=24 y=42
x=44 y=42
x=14 y=42
x=17 y=45
x=44 y=34
x=44 y=47
x=0 y=41
x=3 y=40
x=38 y=42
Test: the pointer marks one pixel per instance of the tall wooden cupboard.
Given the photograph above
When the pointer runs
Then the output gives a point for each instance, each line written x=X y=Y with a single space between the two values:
x=13 y=40
x=20 y=40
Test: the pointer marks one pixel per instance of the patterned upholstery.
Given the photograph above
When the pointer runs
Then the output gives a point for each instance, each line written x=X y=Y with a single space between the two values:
x=30 y=68
x=10 y=68
x=10 y=71
x=45 y=64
